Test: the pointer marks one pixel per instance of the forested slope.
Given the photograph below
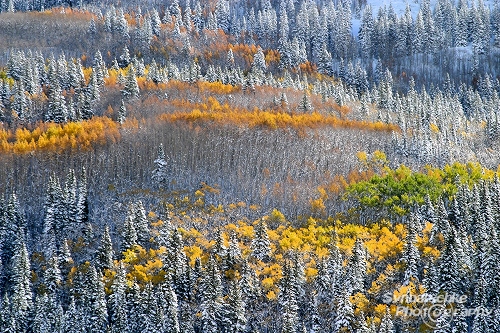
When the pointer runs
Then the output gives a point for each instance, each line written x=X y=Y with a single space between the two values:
x=232 y=166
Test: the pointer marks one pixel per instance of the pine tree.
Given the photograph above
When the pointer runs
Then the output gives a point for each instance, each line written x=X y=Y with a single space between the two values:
x=129 y=233
x=5 y=313
x=52 y=278
x=124 y=59
x=122 y=113
x=54 y=219
x=94 y=302
x=48 y=314
x=22 y=302
x=219 y=248
x=260 y=244
x=82 y=216
x=448 y=267
x=387 y=326
x=344 y=314
x=121 y=25
x=305 y=103
x=230 y=59
x=65 y=259
x=92 y=30
x=233 y=255
x=288 y=300
x=118 y=302
x=131 y=88
x=72 y=319
x=171 y=309
x=40 y=324
x=70 y=205
x=141 y=224
x=411 y=255
x=185 y=319
x=21 y=103
x=324 y=61
x=250 y=291
x=259 y=61
x=357 y=267
x=155 y=22
x=160 y=172
x=105 y=251
x=211 y=298
x=235 y=309
x=152 y=318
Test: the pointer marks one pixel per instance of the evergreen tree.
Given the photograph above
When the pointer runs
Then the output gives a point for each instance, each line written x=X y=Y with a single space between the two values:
x=260 y=244
x=129 y=233
x=21 y=103
x=122 y=113
x=52 y=278
x=93 y=301
x=105 y=251
x=82 y=205
x=152 y=317
x=160 y=172
x=211 y=298
x=411 y=255
x=141 y=224
x=230 y=59
x=70 y=194
x=124 y=59
x=171 y=309
x=131 y=88
x=72 y=319
x=235 y=308
x=288 y=300
x=344 y=314
x=325 y=61
x=5 y=313
x=118 y=302
x=55 y=217
x=22 y=302
x=259 y=61
x=387 y=326
x=356 y=267
x=305 y=103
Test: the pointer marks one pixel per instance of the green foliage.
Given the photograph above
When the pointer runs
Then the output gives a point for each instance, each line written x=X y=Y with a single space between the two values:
x=395 y=192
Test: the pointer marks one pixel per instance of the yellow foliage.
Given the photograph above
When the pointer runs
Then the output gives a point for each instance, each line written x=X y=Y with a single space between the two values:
x=213 y=111
x=267 y=283
x=310 y=273
x=383 y=244
x=360 y=303
x=271 y=295
x=276 y=217
x=434 y=128
x=193 y=252
x=379 y=310
x=290 y=241
x=58 y=137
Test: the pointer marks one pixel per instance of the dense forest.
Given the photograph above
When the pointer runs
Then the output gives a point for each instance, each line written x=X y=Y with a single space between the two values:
x=249 y=166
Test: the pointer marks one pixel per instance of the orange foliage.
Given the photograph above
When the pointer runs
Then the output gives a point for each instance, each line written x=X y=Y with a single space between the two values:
x=68 y=12
x=216 y=87
x=272 y=56
x=57 y=137
x=308 y=67
x=212 y=111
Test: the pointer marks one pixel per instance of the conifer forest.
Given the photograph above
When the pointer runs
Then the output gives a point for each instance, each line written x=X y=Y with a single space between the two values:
x=234 y=166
